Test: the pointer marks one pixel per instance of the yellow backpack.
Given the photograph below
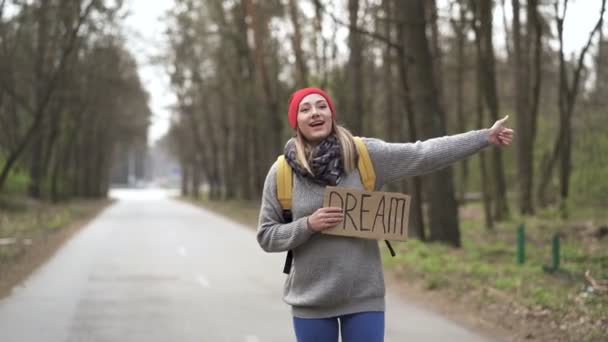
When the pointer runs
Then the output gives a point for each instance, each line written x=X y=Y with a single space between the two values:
x=285 y=185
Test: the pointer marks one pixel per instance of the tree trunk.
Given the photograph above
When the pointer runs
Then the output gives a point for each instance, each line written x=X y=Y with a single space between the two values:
x=195 y=166
x=355 y=71
x=321 y=60
x=521 y=87
x=506 y=29
x=391 y=120
x=501 y=209
x=414 y=184
x=486 y=191
x=229 y=109
x=443 y=211
x=535 y=27
x=267 y=137
x=64 y=158
x=459 y=30
x=185 y=179
x=479 y=97
x=42 y=41
x=526 y=97
x=302 y=69
x=567 y=95
x=432 y=18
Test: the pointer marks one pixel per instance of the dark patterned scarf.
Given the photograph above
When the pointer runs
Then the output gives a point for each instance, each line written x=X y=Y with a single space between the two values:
x=325 y=161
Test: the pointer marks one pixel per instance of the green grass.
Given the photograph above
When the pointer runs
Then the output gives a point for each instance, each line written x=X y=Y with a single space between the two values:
x=507 y=283
x=16 y=183
x=488 y=260
x=25 y=219
x=244 y=212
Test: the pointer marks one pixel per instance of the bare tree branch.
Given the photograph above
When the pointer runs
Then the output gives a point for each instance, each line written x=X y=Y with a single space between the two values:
x=581 y=58
x=2 y=8
x=567 y=99
x=374 y=35
x=41 y=107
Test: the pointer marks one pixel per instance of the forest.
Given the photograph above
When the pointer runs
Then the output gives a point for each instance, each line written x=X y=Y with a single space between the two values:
x=401 y=71
x=70 y=94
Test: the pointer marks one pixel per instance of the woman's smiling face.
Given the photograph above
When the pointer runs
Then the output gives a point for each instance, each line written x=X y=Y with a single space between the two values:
x=314 y=118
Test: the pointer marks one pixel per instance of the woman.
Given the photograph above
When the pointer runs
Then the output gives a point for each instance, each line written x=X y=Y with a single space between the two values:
x=333 y=278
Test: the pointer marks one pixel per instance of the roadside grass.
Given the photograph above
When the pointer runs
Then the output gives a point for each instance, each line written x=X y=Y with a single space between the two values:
x=487 y=264
x=486 y=268
x=243 y=212
x=16 y=183
x=25 y=222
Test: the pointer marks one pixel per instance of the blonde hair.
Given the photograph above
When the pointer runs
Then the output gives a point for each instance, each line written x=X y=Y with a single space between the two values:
x=347 y=147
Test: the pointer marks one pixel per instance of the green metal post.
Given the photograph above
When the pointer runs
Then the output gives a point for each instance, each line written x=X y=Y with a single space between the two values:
x=521 y=244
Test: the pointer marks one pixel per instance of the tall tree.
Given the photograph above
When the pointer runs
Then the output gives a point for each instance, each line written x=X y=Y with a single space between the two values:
x=414 y=185
x=443 y=210
x=69 y=93
x=486 y=187
x=459 y=26
x=258 y=25
x=568 y=92
x=355 y=70
x=302 y=68
x=44 y=91
x=501 y=208
x=527 y=70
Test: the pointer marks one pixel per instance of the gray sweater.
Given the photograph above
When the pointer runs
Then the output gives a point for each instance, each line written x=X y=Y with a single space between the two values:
x=335 y=275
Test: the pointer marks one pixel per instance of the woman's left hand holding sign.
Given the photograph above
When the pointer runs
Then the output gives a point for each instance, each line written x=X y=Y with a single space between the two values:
x=324 y=218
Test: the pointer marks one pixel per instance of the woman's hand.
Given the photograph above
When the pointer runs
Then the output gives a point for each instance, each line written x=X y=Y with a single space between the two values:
x=500 y=135
x=324 y=218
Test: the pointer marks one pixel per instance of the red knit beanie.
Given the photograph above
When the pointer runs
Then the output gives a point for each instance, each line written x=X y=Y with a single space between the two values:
x=296 y=98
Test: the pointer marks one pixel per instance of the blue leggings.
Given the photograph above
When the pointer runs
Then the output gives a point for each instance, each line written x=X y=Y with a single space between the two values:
x=357 y=327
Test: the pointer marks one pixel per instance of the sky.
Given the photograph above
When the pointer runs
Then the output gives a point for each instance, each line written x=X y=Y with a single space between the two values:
x=145 y=36
x=145 y=29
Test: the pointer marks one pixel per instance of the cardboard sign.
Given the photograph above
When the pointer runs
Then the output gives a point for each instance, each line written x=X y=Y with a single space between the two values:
x=369 y=215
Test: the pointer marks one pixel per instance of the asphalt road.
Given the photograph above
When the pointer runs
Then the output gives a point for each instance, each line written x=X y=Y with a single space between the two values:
x=150 y=268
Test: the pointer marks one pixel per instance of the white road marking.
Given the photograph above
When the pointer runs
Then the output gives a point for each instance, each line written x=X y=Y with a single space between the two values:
x=203 y=281
x=252 y=338
x=182 y=251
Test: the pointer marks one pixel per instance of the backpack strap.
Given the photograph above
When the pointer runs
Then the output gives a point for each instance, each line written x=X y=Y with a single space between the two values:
x=284 y=194
x=366 y=169
x=284 y=183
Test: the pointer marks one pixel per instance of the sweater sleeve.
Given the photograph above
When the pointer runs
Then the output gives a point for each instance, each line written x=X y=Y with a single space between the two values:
x=398 y=160
x=273 y=234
